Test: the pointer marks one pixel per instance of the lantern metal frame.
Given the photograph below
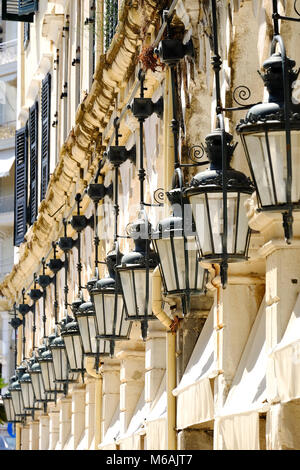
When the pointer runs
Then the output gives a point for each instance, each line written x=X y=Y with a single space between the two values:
x=142 y=260
x=69 y=326
x=17 y=396
x=171 y=51
x=35 y=372
x=110 y=286
x=173 y=228
x=222 y=180
x=28 y=393
x=279 y=114
x=93 y=346
x=45 y=360
x=85 y=312
x=62 y=371
x=9 y=407
x=73 y=343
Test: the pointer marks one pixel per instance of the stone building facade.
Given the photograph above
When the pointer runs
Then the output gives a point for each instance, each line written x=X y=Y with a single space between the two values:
x=222 y=373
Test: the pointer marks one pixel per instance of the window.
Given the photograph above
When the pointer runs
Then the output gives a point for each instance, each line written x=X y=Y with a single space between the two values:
x=19 y=10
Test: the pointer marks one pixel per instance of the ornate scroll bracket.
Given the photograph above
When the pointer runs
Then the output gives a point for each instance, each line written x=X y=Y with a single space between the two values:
x=241 y=94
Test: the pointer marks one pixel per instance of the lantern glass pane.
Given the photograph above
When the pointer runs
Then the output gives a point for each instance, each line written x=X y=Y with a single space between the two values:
x=174 y=260
x=60 y=363
x=140 y=277
x=110 y=314
x=38 y=386
x=200 y=212
x=134 y=290
x=17 y=401
x=175 y=250
x=243 y=227
x=164 y=249
x=104 y=307
x=9 y=410
x=270 y=167
x=74 y=350
x=127 y=281
x=210 y=234
x=208 y=215
x=196 y=272
x=121 y=324
x=48 y=375
x=100 y=312
x=28 y=395
x=87 y=328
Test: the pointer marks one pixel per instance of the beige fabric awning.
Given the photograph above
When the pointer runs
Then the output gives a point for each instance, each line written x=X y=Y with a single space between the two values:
x=111 y=435
x=286 y=358
x=131 y=439
x=237 y=425
x=195 y=401
x=156 y=422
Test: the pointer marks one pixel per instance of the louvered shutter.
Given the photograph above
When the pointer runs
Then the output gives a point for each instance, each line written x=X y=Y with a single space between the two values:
x=28 y=6
x=19 y=10
x=45 y=149
x=20 y=186
x=33 y=135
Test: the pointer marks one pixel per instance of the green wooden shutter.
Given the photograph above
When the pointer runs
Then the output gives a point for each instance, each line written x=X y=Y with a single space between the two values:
x=33 y=135
x=20 y=186
x=45 y=148
x=19 y=10
x=28 y=6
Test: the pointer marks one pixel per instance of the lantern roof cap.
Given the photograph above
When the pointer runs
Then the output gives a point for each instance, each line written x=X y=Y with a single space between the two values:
x=58 y=342
x=86 y=306
x=106 y=283
x=69 y=328
x=212 y=181
x=25 y=378
x=46 y=356
x=35 y=368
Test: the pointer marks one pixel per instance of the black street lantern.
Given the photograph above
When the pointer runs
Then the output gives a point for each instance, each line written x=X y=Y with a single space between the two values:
x=8 y=405
x=17 y=396
x=73 y=343
x=270 y=134
x=9 y=409
x=107 y=294
x=29 y=399
x=88 y=327
x=47 y=368
x=135 y=273
x=62 y=371
x=217 y=197
x=35 y=373
x=109 y=304
x=175 y=243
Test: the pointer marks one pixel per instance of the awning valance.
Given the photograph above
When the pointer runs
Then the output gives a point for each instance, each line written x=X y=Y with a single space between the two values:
x=286 y=357
x=195 y=401
x=238 y=422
